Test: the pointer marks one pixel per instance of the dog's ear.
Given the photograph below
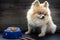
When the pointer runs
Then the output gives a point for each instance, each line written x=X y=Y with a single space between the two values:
x=46 y=4
x=36 y=3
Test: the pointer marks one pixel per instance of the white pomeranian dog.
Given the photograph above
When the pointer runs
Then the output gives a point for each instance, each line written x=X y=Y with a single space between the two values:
x=39 y=15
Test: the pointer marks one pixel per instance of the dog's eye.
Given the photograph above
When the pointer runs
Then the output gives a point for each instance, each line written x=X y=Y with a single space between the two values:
x=45 y=14
x=39 y=13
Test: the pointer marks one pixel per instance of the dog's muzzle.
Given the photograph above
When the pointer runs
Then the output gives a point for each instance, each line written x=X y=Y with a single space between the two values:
x=41 y=17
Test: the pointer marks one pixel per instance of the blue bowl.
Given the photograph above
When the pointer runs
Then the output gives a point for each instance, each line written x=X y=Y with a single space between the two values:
x=12 y=35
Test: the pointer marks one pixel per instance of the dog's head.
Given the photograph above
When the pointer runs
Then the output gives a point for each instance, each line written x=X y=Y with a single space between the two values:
x=40 y=10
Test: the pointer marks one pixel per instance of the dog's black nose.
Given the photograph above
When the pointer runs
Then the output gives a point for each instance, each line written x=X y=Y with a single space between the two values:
x=42 y=17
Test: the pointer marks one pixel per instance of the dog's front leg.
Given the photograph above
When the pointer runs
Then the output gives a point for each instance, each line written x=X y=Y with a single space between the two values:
x=43 y=31
x=29 y=29
x=52 y=27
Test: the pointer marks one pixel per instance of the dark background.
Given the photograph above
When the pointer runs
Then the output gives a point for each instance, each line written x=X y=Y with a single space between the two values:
x=13 y=13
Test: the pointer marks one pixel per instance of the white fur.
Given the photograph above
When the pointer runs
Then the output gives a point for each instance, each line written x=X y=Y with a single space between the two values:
x=40 y=23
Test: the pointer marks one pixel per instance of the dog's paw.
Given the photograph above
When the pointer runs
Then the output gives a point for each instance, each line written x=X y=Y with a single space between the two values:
x=27 y=32
x=53 y=31
x=41 y=35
